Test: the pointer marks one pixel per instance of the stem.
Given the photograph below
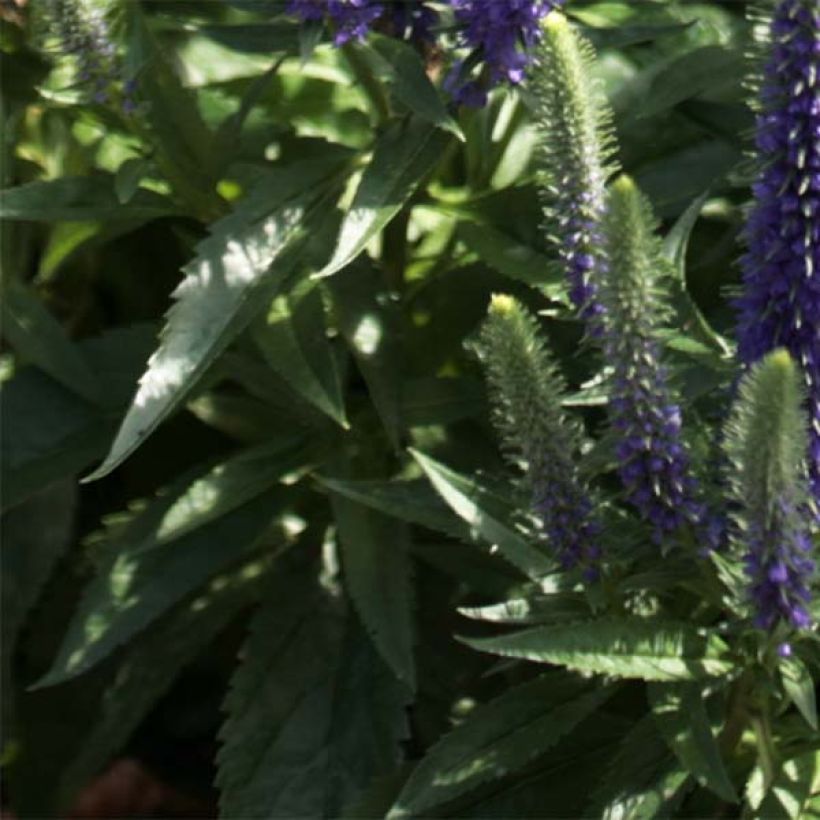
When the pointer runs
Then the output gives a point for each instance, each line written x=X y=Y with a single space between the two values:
x=372 y=88
x=765 y=745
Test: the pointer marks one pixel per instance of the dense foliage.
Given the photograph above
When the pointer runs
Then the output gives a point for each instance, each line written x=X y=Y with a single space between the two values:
x=473 y=469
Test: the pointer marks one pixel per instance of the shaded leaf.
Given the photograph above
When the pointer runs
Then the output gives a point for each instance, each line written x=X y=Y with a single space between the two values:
x=403 y=156
x=799 y=686
x=486 y=515
x=681 y=717
x=497 y=740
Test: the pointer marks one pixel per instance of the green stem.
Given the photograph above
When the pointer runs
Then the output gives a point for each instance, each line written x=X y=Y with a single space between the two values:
x=767 y=755
x=394 y=250
x=372 y=88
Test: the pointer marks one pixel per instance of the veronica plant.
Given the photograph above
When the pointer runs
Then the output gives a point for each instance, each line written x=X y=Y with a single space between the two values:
x=299 y=492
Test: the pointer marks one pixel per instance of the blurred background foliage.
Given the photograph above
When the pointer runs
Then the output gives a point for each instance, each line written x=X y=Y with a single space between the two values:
x=290 y=429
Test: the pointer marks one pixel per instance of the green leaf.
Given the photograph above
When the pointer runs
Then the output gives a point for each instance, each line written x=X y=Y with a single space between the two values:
x=675 y=246
x=294 y=341
x=34 y=535
x=799 y=686
x=237 y=268
x=49 y=433
x=80 y=199
x=694 y=72
x=377 y=576
x=402 y=158
x=167 y=551
x=681 y=717
x=431 y=401
x=369 y=321
x=486 y=515
x=39 y=338
x=499 y=739
x=154 y=662
x=626 y=648
x=513 y=258
x=643 y=781
x=542 y=609
x=128 y=178
x=411 y=501
x=401 y=66
x=795 y=792
x=313 y=714
x=254 y=38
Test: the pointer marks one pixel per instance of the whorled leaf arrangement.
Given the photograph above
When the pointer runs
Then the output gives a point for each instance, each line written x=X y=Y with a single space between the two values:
x=575 y=158
x=538 y=435
x=780 y=302
x=766 y=444
x=654 y=465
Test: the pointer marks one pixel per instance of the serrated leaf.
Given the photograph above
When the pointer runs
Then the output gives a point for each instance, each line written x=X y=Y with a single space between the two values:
x=313 y=714
x=76 y=199
x=49 y=433
x=39 y=338
x=411 y=501
x=403 y=156
x=643 y=781
x=242 y=262
x=401 y=66
x=369 y=322
x=378 y=578
x=680 y=715
x=795 y=792
x=485 y=514
x=799 y=686
x=626 y=648
x=154 y=662
x=167 y=551
x=499 y=739
x=293 y=339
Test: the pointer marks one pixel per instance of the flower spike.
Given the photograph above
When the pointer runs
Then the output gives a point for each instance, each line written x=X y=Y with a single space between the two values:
x=780 y=302
x=575 y=154
x=766 y=445
x=537 y=435
x=653 y=462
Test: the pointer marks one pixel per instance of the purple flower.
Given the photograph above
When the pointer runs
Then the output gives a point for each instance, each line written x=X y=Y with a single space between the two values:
x=500 y=35
x=653 y=463
x=780 y=303
x=779 y=567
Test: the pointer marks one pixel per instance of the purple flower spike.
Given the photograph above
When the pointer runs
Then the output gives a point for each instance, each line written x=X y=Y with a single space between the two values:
x=780 y=304
x=501 y=35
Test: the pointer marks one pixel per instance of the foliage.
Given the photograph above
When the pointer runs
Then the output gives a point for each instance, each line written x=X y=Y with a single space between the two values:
x=372 y=373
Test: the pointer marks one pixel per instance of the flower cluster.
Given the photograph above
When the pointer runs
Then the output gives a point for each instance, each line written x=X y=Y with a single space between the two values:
x=574 y=154
x=353 y=19
x=768 y=481
x=780 y=303
x=526 y=389
x=653 y=462
x=500 y=35
x=84 y=34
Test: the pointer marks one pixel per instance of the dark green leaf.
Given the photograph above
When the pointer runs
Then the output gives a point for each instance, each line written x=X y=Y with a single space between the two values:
x=627 y=648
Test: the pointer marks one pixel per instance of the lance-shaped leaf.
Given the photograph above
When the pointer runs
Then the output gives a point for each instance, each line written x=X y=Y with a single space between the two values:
x=680 y=715
x=80 y=199
x=403 y=156
x=293 y=340
x=377 y=575
x=795 y=792
x=626 y=648
x=155 y=661
x=487 y=515
x=38 y=337
x=499 y=739
x=313 y=713
x=168 y=551
x=238 y=267
x=799 y=686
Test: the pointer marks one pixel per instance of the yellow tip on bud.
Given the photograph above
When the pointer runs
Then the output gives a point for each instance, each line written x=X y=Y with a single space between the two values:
x=781 y=359
x=502 y=304
x=624 y=184
x=555 y=21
